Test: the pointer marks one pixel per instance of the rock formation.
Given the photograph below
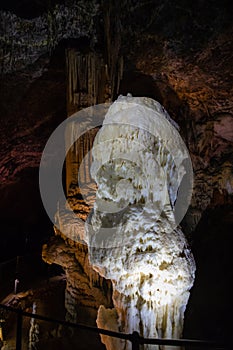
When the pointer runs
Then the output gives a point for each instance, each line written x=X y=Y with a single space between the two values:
x=89 y=82
x=132 y=236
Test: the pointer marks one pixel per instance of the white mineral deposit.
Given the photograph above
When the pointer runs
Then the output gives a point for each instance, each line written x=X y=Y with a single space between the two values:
x=133 y=237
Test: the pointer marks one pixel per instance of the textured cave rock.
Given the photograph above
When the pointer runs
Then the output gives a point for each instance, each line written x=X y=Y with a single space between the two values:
x=84 y=286
x=197 y=93
x=23 y=41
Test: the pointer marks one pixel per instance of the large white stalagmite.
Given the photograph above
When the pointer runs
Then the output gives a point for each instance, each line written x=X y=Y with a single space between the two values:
x=133 y=237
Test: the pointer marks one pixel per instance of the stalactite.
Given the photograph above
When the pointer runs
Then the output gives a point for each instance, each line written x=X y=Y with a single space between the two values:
x=88 y=83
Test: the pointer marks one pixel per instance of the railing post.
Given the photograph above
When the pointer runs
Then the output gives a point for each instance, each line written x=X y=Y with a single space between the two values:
x=135 y=341
x=19 y=330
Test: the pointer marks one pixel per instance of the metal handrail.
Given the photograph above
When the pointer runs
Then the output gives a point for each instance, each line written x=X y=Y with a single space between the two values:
x=134 y=337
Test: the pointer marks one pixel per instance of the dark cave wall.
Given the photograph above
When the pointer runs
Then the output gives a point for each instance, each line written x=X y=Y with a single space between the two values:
x=209 y=312
x=27 y=121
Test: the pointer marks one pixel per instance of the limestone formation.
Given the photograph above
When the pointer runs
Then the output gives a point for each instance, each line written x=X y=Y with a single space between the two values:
x=132 y=235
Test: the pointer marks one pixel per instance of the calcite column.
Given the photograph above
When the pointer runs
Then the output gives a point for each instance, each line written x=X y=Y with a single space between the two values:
x=133 y=235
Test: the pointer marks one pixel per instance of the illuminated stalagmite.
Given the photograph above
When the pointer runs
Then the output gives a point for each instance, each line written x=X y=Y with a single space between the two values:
x=133 y=235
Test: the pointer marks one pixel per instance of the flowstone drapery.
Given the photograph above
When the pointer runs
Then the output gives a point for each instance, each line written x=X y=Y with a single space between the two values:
x=139 y=161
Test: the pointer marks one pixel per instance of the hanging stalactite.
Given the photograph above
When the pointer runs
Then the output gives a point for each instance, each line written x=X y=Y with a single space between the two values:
x=90 y=81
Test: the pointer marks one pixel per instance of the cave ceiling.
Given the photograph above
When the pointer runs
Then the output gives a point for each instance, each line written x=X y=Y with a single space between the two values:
x=179 y=53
